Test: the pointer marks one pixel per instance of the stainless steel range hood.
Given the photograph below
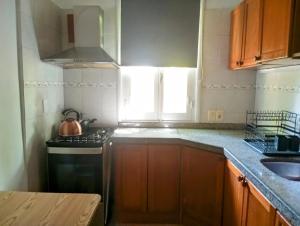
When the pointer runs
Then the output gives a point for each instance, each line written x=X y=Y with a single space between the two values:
x=83 y=57
x=88 y=49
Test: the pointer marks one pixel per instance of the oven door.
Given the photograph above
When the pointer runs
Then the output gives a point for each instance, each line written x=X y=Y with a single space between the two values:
x=75 y=173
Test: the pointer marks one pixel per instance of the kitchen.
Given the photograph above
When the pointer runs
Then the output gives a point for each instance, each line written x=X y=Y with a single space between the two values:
x=164 y=94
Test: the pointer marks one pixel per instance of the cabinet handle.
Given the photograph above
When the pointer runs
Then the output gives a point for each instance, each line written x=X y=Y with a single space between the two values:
x=241 y=178
x=238 y=63
x=257 y=58
x=244 y=182
x=241 y=63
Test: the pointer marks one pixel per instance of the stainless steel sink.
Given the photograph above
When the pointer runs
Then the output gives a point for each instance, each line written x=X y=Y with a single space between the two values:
x=289 y=169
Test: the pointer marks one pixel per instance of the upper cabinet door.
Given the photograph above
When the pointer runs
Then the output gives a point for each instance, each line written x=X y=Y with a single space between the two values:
x=253 y=31
x=159 y=33
x=276 y=33
x=237 y=27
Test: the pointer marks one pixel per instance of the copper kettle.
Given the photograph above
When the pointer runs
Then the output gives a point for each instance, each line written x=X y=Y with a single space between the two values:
x=70 y=126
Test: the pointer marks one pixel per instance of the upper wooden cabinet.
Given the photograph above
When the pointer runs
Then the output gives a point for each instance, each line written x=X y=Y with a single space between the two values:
x=202 y=187
x=267 y=32
x=277 y=24
x=246 y=30
x=252 y=32
x=237 y=32
x=243 y=204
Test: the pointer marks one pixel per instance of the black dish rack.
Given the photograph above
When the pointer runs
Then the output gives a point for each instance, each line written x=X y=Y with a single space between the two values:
x=263 y=127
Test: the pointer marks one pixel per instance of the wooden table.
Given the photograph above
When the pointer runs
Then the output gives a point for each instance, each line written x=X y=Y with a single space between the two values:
x=47 y=209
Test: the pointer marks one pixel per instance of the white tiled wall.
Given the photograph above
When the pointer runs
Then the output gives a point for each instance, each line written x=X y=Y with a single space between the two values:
x=278 y=89
x=223 y=89
x=42 y=82
x=92 y=92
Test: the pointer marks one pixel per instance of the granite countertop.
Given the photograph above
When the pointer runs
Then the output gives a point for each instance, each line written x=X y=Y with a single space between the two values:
x=282 y=193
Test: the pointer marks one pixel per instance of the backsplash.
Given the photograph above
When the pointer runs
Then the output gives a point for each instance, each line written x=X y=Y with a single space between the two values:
x=278 y=89
x=92 y=92
x=223 y=89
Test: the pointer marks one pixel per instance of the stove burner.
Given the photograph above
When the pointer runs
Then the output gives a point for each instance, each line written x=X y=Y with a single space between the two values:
x=90 y=139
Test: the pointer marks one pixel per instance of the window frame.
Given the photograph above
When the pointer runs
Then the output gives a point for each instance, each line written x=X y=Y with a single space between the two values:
x=158 y=115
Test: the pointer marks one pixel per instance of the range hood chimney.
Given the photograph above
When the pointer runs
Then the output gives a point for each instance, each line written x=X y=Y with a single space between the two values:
x=88 y=49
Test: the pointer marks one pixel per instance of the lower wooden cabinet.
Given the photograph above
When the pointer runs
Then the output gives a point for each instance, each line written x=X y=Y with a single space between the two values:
x=164 y=182
x=147 y=183
x=280 y=220
x=257 y=210
x=243 y=203
x=175 y=184
x=202 y=187
x=130 y=166
x=233 y=196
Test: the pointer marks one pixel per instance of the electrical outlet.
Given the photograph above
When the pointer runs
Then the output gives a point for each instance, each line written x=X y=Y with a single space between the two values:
x=211 y=116
x=219 y=116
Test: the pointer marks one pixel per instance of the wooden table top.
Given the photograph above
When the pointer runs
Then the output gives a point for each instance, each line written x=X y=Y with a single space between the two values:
x=47 y=209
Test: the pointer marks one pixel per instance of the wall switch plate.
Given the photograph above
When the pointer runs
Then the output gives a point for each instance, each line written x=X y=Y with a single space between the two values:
x=219 y=115
x=211 y=116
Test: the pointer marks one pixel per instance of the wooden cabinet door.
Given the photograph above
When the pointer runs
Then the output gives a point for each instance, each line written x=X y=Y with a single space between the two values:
x=202 y=187
x=253 y=31
x=237 y=27
x=130 y=162
x=276 y=28
x=164 y=182
x=257 y=210
x=233 y=196
x=280 y=220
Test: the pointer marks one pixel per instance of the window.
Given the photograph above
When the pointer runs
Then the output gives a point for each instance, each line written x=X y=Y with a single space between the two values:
x=157 y=94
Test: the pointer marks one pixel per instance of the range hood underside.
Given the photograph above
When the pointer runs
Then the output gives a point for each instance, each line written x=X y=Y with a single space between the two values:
x=82 y=57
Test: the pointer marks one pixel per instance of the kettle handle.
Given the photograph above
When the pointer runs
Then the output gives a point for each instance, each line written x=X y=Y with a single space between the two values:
x=66 y=112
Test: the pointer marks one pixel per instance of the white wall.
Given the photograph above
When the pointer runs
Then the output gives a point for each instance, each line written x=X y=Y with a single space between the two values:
x=40 y=36
x=12 y=167
x=278 y=89
x=223 y=89
x=92 y=92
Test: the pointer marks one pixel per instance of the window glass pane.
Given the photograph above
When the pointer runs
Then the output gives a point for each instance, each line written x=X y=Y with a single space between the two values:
x=175 y=93
x=141 y=91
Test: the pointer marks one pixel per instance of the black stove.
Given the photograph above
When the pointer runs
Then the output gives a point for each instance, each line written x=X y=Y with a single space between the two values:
x=92 y=138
